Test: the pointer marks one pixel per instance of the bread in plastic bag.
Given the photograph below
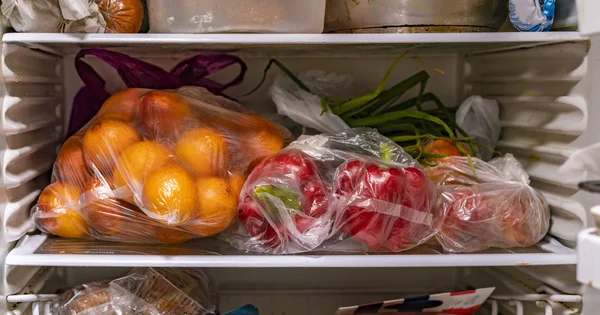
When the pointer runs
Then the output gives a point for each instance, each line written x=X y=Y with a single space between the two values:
x=480 y=119
x=144 y=291
x=355 y=190
x=490 y=206
x=155 y=166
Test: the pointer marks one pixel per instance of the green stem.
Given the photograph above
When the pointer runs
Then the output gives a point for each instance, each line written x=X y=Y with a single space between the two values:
x=290 y=199
x=388 y=97
x=387 y=117
x=362 y=100
x=285 y=70
x=426 y=136
x=388 y=128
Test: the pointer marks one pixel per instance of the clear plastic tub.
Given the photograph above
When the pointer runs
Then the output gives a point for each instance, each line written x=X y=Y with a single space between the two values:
x=251 y=16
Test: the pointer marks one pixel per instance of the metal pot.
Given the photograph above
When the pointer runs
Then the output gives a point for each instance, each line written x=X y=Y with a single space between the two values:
x=415 y=16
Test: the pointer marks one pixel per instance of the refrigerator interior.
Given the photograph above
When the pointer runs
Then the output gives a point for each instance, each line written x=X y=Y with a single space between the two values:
x=323 y=290
x=543 y=82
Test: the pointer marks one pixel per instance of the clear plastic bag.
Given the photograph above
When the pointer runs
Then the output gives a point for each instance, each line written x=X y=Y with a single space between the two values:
x=144 y=291
x=155 y=166
x=137 y=73
x=355 y=190
x=54 y=16
x=582 y=165
x=491 y=207
x=480 y=118
x=305 y=108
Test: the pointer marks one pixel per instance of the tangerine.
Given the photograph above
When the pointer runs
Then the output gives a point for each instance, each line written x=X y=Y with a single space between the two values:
x=218 y=207
x=172 y=235
x=163 y=113
x=122 y=105
x=205 y=151
x=261 y=137
x=170 y=195
x=101 y=206
x=137 y=162
x=59 y=204
x=105 y=140
x=71 y=162
x=236 y=182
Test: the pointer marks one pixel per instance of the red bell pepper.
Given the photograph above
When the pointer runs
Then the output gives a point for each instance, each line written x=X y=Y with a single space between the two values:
x=297 y=186
x=371 y=192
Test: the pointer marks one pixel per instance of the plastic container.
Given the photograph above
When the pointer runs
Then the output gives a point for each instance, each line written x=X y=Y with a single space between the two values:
x=252 y=16
x=415 y=16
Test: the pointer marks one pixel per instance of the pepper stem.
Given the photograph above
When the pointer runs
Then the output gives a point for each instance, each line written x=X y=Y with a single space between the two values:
x=290 y=199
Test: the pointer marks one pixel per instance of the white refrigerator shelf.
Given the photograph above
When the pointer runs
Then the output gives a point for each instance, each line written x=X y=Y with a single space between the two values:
x=310 y=43
x=38 y=250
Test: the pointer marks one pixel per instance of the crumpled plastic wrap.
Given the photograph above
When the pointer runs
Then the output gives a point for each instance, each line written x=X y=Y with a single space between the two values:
x=305 y=108
x=155 y=166
x=354 y=190
x=480 y=119
x=144 y=291
x=54 y=16
x=490 y=206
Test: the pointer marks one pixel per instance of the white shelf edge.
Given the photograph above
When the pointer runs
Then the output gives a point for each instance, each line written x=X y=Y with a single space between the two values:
x=283 y=39
x=337 y=261
x=24 y=255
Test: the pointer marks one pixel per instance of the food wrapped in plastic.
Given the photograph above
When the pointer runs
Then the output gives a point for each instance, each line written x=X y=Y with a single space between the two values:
x=155 y=166
x=144 y=291
x=353 y=190
x=491 y=205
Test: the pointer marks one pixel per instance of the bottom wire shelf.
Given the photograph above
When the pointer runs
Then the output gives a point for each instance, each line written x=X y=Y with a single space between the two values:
x=549 y=304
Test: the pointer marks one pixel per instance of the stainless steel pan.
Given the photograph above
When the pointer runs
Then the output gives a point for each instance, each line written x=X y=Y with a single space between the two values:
x=411 y=16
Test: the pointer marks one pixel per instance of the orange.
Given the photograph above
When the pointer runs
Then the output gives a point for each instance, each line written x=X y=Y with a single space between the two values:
x=163 y=113
x=137 y=162
x=236 y=182
x=137 y=226
x=218 y=207
x=204 y=150
x=444 y=147
x=260 y=138
x=105 y=140
x=59 y=205
x=170 y=195
x=122 y=105
x=101 y=207
x=172 y=235
x=70 y=162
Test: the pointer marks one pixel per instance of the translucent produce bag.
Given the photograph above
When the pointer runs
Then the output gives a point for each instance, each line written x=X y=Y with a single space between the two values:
x=480 y=118
x=353 y=190
x=144 y=291
x=136 y=73
x=74 y=16
x=155 y=166
x=490 y=206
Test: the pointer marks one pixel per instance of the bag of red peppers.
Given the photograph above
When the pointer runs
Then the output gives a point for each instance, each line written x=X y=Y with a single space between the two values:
x=351 y=191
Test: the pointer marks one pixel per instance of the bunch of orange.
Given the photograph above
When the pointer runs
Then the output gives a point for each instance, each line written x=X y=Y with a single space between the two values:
x=154 y=166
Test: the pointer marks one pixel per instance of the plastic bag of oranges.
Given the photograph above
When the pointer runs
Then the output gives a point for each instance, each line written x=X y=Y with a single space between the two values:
x=155 y=166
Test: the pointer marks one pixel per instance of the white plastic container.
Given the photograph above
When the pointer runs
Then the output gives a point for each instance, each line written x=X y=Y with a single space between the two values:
x=243 y=16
